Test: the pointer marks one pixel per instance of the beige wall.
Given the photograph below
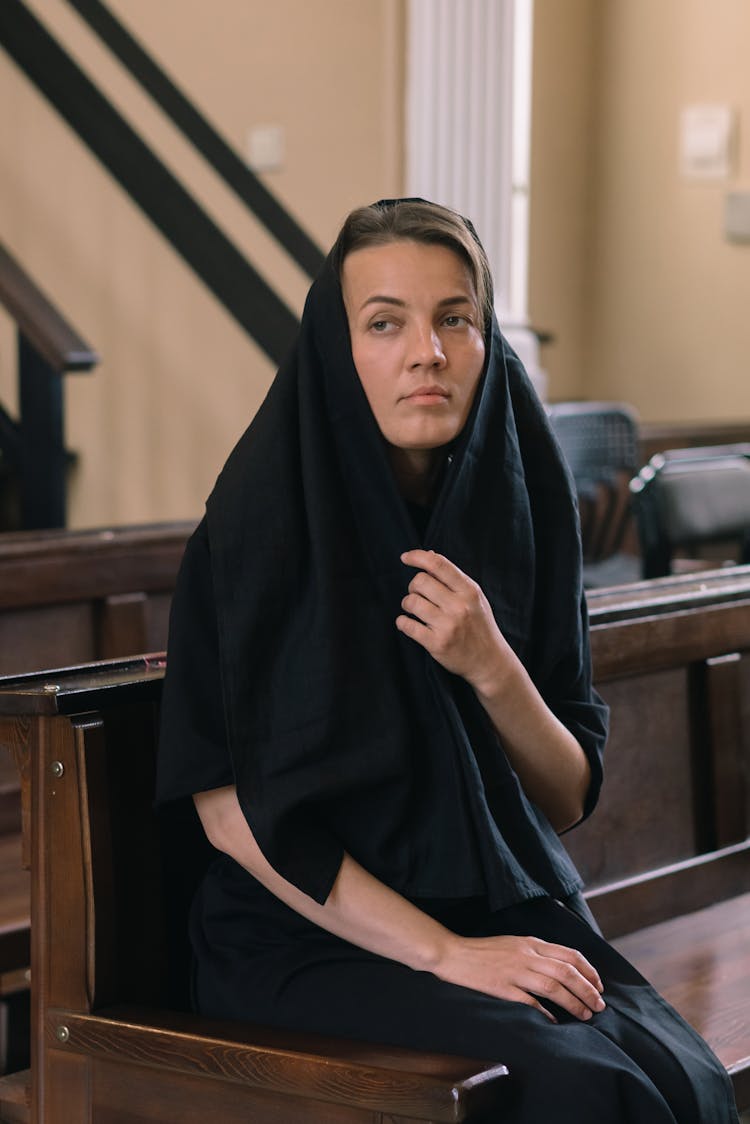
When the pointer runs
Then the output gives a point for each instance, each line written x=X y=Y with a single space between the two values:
x=179 y=380
x=562 y=189
x=629 y=263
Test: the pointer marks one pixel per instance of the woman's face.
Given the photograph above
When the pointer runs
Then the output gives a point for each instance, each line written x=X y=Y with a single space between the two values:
x=417 y=340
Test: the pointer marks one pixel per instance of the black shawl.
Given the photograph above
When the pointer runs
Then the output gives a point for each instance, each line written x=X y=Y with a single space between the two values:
x=343 y=733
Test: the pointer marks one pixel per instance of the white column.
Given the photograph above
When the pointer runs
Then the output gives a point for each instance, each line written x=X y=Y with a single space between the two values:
x=468 y=126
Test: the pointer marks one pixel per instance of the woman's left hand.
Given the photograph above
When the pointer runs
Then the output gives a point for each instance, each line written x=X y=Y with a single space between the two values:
x=451 y=618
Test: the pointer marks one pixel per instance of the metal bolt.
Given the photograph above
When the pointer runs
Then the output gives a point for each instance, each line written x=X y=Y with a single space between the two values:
x=63 y=1034
x=57 y=768
x=51 y=688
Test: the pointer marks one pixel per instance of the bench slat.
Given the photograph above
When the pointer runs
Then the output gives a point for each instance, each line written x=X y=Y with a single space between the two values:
x=699 y=964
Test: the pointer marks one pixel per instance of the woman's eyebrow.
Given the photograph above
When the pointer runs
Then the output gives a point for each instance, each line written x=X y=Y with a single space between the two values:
x=382 y=299
x=378 y=299
x=462 y=299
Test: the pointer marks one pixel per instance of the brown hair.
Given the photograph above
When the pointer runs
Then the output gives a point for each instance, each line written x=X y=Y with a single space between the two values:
x=416 y=220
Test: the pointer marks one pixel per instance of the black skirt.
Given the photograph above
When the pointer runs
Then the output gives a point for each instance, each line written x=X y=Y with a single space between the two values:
x=637 y=1061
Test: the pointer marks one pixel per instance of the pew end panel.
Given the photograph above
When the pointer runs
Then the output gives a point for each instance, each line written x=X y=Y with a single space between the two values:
x=109 y=1036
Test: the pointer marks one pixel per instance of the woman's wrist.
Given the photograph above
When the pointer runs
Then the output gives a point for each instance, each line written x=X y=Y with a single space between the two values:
x=498 y=680
x=435 y=952
x=430 y=947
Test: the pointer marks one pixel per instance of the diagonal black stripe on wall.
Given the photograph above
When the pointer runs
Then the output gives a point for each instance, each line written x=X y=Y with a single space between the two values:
x=209 y=143
x=162 y=198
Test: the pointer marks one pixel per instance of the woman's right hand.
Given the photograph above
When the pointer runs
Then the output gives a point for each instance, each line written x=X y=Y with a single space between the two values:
x=524 y=970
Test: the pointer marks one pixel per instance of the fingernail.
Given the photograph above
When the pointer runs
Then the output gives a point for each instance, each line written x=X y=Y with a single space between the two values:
x=600 y=1004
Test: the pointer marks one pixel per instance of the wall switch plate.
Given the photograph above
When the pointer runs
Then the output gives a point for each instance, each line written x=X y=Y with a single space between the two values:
x=737 y=216
x=266 y=148
x=706 y=133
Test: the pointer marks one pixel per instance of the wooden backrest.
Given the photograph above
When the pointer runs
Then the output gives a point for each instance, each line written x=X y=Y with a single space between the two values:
x=672 y=658
x=70 y=597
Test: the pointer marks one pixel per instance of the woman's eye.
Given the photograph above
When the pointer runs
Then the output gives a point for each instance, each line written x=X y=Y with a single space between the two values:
x=380 y=325
x=454 y=320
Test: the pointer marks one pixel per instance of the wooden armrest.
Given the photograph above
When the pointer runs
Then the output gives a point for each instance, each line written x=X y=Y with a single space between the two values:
x=387 y=1079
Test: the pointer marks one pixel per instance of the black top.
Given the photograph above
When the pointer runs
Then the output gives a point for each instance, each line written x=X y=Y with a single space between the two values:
x=286 y=673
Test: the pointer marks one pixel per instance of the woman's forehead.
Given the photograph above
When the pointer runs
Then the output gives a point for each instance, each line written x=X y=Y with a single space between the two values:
x=404 y=269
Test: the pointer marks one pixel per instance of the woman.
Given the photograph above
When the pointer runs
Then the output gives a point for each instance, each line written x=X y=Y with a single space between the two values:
x=379 y=696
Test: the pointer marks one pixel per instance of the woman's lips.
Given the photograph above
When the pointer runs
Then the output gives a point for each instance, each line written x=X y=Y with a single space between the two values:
x=428 y=395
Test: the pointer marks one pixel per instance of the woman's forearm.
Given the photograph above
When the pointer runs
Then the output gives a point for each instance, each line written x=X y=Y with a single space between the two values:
x=359 y=908
x=369 y=914
x=548 y=760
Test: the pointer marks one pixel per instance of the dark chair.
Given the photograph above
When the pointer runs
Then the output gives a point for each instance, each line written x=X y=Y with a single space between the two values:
x=599 y=441
x=687 y=499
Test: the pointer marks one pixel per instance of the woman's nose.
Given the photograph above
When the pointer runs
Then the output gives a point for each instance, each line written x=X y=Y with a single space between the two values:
x=426 y=350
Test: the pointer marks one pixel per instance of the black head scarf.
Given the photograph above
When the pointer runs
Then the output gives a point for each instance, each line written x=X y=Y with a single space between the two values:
x=343 y=733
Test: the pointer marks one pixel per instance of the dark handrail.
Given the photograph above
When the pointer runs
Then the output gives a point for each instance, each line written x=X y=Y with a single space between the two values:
x=34 y=445
x=42 y=325
x=211 y=145
x=162 y=198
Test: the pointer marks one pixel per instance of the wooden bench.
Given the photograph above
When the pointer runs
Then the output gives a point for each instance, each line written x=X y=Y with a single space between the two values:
x=109 y=1040
x=68 y=597
x=667 y=856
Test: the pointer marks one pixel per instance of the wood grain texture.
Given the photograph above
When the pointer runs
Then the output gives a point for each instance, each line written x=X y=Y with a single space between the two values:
x=202 y=1098
x=699 y=962
x=653 y=896
x=54 y=567
x=646 y=815
x=428 y=1087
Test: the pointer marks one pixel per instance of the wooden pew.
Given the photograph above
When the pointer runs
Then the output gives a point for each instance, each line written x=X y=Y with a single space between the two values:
x=667 y=856
x=68 y=597
x=109 y=1040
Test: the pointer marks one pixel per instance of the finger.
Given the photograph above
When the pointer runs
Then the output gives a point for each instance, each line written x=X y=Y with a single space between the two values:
x=431 y=587
x=423 y=609
x=436 y=564
x=565 y=985
x=550 y=990
x=415 y=630
x=571 y=956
